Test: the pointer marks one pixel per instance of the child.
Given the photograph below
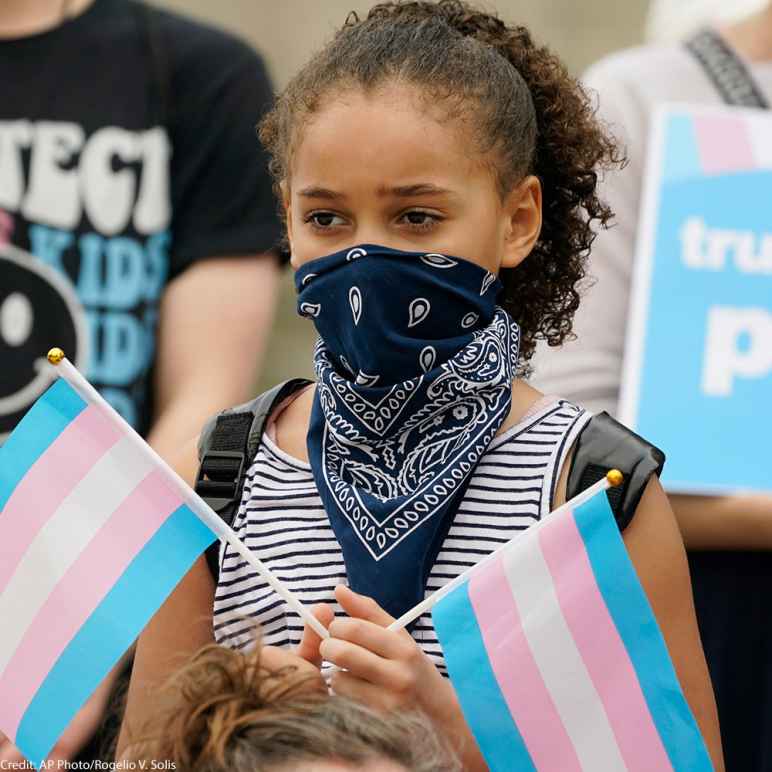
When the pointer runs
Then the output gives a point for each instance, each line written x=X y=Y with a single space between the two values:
x=229 y=712
x=438 y=175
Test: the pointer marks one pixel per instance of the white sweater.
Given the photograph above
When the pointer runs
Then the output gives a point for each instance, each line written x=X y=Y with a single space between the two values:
x=629 y=85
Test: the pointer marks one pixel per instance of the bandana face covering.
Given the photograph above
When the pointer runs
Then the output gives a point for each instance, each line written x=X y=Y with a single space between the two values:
x=415 y=365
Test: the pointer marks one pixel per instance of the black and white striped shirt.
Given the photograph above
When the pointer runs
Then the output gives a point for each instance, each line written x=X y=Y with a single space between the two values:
x=282 y=519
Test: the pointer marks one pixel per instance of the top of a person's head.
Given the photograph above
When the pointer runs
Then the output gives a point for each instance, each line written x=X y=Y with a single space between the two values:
x=519 y=111
x=225 y=711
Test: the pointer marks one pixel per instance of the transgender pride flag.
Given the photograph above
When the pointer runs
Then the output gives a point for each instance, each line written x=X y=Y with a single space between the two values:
x=95 y=532
x=557 y=660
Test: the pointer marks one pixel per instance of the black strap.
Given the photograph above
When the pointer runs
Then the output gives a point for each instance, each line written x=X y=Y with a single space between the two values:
x=726 y=70
x=226 y=449
x=606 y=444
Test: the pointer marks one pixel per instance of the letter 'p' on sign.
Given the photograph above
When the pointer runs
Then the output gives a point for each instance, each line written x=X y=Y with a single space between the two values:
x=738 y=344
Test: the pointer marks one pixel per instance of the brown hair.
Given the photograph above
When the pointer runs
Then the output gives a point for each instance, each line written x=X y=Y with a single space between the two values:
x=223 y=712
x=524 y=107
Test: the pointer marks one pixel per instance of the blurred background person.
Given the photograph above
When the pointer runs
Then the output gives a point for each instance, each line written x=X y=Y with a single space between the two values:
x=726 y=535
x=137 y=220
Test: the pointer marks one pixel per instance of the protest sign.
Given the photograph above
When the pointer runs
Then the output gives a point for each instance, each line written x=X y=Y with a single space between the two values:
x=698 y=367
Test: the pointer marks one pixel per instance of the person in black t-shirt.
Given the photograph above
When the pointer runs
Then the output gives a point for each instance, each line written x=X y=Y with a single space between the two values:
x=134 y=203
x=131 y=185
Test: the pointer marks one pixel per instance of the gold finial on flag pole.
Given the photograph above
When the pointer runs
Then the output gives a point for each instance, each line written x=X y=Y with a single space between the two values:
x=55 y=355
x=614 y=477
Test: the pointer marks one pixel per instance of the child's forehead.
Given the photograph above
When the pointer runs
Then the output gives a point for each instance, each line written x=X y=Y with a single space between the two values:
x=395 y=127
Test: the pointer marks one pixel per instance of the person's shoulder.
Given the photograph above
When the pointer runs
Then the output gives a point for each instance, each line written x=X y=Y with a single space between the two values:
x=628 y=85
x=191 y=41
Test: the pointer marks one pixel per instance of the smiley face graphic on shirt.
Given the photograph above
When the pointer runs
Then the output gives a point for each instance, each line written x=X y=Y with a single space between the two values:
x=39 y=309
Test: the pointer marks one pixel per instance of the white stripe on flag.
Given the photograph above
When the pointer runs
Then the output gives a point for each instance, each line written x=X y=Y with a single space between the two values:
x=559 y=661
x=56 y=547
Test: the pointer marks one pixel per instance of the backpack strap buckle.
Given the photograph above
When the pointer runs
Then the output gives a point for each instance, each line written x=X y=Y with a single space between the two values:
x=219 y=477
x=226 y=449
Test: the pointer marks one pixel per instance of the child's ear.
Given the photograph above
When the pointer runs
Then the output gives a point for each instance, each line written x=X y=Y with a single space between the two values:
x=522 y=209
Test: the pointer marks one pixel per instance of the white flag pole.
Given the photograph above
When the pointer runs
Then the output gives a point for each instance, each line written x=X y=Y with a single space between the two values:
x=612 y=479
x=65 y=369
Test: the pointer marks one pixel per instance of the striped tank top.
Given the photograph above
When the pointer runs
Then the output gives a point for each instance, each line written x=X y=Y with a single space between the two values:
x=282 y=519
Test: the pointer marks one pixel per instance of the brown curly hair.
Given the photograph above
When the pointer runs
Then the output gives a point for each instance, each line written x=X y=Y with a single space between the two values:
x=225 y=712
x=524 y=107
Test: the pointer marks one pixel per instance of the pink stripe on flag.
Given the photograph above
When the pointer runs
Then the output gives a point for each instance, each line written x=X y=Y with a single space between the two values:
x=81 y=590
x=724 y=144
x=517 y=673
x=600 y=646
x=49 y=480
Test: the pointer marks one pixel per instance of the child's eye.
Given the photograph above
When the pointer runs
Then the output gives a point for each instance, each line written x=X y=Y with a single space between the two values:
x=417 y=219
x=323 y=220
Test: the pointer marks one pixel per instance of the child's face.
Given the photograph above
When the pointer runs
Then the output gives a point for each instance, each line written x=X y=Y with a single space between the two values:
x=386 y=168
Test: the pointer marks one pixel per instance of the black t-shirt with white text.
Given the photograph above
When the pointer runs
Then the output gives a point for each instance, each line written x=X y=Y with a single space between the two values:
x=127 y=153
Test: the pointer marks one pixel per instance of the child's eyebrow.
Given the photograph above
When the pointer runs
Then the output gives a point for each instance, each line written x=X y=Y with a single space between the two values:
x=419 y=189
x=316 y=192
x=402 y=191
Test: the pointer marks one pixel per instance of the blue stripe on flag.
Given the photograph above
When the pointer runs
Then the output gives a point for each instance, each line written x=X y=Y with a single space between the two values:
x=42 y=424
x=637 y=626
x=111 y=630
x=485 y=709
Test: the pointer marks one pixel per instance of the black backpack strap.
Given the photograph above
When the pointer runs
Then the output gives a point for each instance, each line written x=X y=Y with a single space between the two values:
x=606 y=444
x=226 y=448
x=725 y=70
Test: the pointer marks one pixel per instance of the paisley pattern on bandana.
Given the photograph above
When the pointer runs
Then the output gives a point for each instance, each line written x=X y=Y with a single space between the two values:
x=392 y=459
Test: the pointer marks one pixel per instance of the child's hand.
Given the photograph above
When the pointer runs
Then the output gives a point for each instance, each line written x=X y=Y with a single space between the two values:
x=384 y=669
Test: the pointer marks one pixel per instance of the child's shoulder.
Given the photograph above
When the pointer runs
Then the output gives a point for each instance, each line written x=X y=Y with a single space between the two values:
x=290 y=420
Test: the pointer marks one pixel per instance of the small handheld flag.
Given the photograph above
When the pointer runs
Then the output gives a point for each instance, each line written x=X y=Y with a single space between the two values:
x=95 y=532
x=556 y=656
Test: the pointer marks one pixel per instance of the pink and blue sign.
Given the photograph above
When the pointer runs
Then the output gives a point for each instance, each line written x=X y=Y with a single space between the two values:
x=698 y=368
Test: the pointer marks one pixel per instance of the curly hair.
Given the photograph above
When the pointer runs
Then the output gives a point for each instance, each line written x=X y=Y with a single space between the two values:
x=524 y=108
x=225 y=712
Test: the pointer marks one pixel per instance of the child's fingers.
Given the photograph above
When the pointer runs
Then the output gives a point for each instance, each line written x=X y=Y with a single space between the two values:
x=308 y=648
x=371 y=636
x=362 y=607
x=359 y=662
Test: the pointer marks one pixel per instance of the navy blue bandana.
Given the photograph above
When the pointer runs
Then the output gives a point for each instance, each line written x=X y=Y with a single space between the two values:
x=415 y=364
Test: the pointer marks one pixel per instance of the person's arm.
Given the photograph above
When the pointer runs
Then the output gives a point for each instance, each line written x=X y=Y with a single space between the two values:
x=214 y=324
x=724 y=522
x=216 y=311
x=179 y=628
x=656 y=549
